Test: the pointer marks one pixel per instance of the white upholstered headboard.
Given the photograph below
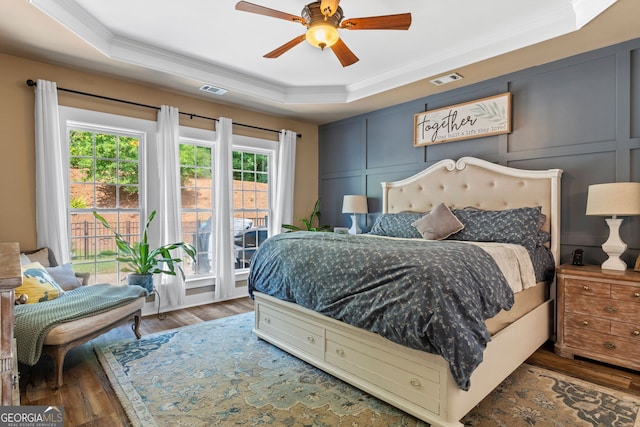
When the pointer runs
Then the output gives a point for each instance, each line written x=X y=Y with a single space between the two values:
x=481 y=184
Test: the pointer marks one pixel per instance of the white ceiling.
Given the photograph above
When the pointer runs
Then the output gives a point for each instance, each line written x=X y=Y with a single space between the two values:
x=182 y=45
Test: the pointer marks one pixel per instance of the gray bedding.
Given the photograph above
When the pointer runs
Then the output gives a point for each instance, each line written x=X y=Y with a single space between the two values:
x=432 y=296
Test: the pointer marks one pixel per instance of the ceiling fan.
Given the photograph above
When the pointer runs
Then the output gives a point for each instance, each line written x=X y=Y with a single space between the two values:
x=323 y=19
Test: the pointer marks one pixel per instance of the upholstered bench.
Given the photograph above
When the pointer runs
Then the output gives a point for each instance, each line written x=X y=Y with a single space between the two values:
x=54 y=327
x=68 y=335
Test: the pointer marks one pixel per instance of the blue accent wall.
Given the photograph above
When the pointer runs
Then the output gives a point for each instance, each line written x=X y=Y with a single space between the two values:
x=580 y=114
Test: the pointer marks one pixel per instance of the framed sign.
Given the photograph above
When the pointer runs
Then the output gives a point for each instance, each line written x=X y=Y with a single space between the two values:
x=474 y=119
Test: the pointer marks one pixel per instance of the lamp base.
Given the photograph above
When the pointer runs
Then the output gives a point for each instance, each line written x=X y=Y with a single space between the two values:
x=614 y=246
x=614 y=264
x=354 y=225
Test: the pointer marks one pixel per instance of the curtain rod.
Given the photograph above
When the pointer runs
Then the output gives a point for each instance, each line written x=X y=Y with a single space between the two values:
x=190 y=115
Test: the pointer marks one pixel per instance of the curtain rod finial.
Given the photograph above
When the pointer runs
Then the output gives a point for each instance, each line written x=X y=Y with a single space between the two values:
x=31 y=83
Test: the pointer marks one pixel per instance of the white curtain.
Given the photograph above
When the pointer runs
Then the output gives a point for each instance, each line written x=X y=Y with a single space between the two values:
x=51 y=160
x=282 y=202
x=223 y=224
x=171 y=289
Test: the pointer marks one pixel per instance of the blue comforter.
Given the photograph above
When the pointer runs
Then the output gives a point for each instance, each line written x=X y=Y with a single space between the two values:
x=430 y=296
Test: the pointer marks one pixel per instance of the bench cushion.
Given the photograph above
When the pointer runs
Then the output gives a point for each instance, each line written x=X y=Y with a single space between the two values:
x=71 y=331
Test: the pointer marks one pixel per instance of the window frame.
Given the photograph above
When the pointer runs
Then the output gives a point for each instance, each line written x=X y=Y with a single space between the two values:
x=108 y=121
x=206 y=138
x=99 y=122
x=240 y=142
x=270 y=154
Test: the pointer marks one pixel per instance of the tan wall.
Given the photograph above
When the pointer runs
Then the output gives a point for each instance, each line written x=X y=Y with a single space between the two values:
x=17 y=155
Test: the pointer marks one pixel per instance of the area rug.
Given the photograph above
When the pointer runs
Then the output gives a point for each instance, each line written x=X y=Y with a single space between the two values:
x=218 y=373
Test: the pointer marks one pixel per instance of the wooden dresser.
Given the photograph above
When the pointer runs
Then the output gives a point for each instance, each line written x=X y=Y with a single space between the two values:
x=599 y=315
x=10 y=278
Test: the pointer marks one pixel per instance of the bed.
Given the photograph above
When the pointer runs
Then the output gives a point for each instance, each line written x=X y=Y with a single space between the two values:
x=422 y=383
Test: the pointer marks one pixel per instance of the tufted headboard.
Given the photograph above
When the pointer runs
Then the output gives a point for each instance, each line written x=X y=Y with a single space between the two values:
x=481 y=184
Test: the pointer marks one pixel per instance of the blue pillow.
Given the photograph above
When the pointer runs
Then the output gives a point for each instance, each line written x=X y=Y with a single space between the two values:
x=518 y=226
x=397 y=225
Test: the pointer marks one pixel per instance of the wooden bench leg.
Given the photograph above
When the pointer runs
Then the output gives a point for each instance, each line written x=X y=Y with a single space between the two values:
x=137 y=318
x=58 y=352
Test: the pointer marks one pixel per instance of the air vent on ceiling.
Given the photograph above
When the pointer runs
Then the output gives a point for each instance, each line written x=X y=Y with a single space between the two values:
x=213 y=89
x=443 y=80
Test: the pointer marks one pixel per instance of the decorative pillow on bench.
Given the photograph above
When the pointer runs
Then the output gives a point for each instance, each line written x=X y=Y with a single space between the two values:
x=65 y=276
x=37 y=284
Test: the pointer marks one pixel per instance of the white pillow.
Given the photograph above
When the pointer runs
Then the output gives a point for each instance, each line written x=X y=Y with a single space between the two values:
x=24 y=260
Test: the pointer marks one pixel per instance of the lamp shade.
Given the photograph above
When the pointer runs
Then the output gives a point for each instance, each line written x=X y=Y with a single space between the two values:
x=322 y=35
x=354 y=204
x=617 y=198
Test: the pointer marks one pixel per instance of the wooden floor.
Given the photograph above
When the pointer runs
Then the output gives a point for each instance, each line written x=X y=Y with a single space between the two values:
x=89 y=400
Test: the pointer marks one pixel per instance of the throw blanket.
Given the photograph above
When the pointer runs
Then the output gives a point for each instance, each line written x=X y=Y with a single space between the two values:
x=428 y=295
x=514 y=262
x=34 y=321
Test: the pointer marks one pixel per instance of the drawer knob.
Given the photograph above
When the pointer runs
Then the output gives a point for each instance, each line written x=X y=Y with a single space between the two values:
x=585 y=322
x=267 y=320
x=339 y=352
x=415 y=383
x=636 y=333
x=609 y=345
x=636 y=295
x=610 y=309
x=311 y=339
x=585 y=287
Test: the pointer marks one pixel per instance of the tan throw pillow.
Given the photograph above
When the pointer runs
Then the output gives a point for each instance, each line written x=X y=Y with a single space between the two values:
x=438 y=224
x=41 y=256
x=37 y=284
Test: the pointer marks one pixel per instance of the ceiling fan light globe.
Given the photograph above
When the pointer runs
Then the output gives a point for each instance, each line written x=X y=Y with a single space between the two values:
x=322 y=35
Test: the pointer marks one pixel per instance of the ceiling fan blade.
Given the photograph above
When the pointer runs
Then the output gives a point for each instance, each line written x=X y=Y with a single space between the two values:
x=401 y=21
x=285 y=47
x=344 y=54
x=245 y=6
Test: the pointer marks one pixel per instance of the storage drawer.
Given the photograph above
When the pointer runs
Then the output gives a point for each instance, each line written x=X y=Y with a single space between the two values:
x=626 y=293
x=387 y=370
x=626 y=330
x=587 y=287
x=293 y=331
x=577 y=321
x=605 y=308
x=607 y=348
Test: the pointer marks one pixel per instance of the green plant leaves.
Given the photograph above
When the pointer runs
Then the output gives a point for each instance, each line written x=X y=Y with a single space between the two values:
x=141 y=259
x=308 y=222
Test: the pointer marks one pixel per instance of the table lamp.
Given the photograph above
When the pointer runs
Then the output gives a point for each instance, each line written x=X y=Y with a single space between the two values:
x=354 y=205
x=614 y=199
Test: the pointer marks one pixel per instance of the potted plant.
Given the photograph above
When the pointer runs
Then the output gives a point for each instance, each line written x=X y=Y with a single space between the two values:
x=142 y=261
x=308 y=222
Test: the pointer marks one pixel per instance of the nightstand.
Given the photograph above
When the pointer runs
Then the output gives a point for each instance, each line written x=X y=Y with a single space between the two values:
x=598 y=314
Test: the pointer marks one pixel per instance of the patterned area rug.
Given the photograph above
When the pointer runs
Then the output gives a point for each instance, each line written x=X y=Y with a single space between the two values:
x=219 y=374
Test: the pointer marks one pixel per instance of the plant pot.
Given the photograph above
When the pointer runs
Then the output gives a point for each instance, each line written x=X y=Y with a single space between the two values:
x=144 y=280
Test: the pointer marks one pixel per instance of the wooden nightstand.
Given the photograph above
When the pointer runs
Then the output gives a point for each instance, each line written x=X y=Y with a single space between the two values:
x=598 y=314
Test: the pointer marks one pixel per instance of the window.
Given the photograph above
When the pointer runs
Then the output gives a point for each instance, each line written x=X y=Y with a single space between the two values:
x=104 y=176
x=196 y=195
x=107 y=169
x=251 y=198
x=250 y=202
